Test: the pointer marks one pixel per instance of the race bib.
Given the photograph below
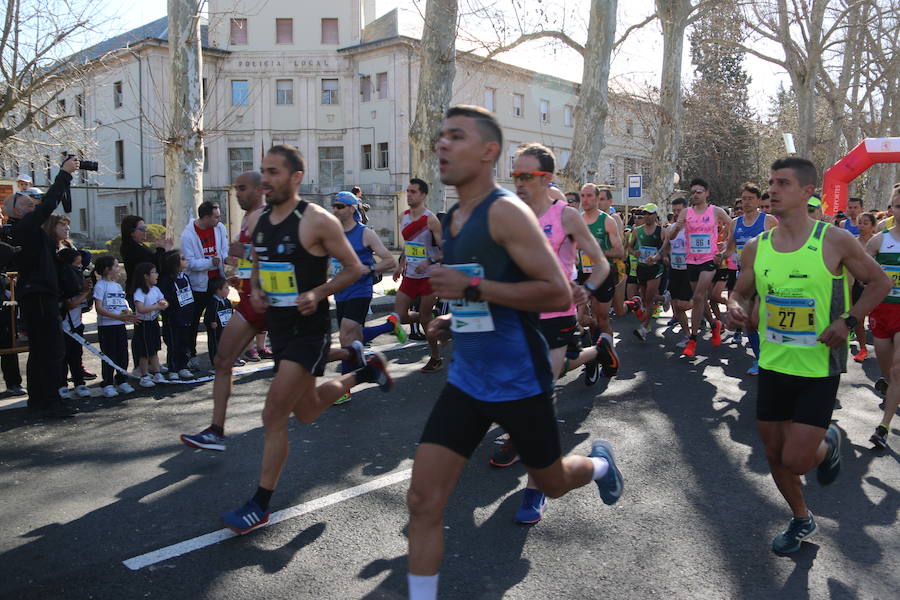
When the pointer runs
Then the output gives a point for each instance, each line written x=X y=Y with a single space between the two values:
x=245 y=265
x=791 y=321
x=184 y=295
x=679 y=261
x=587 y=265
x=415 y=253
x=224 y=316
x=647 y=252
x=701 y=243
x=279 y=283
x=115 y=302
x=894 y=273
x=470 y=317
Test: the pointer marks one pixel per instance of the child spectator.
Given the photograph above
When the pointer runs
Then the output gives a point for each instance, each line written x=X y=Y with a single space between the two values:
x=178 y=318
x=217 y=314
x=73 y=307
x=148 y=302
x=112 y=315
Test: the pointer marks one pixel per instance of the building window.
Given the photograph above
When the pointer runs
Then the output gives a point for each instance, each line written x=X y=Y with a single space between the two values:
x=366 y=156
x=567 y=116
x=381 y=85
x=79 y=105
x=365 y=88
x=240 y=92
x=331 y=167
x=239 y=32
x=489 y=94
x=630 y=169
x=117 y=94
x=545 y=111
x=61 y=106
x=329 y=31
x=284 y=31
x=518 y=104
x=240 y=160
x=629 y=127
x=564 y=158
x=284 y=91
x=513 y=149
x=82 y=219
x=120 y=159
x=47 y=173
x=120 y=212
x=204 y=90
x=383 y=155
x=205 y=159
x=329 y=91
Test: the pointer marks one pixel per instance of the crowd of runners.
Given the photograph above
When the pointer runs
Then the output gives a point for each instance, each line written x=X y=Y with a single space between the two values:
x=535 y=285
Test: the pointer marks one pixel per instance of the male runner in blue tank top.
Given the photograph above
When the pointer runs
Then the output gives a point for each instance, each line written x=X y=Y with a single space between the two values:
x=499 y=273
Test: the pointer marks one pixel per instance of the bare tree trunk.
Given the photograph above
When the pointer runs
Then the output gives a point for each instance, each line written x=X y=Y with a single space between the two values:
x=673 y=17
x=437 y=68
x=184 y=145
x=593 y=98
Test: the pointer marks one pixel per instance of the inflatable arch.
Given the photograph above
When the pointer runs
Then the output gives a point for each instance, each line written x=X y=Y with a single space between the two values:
x=870 y=151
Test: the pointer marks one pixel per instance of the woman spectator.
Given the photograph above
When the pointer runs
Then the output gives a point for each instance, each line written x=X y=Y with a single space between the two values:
x=134 y=252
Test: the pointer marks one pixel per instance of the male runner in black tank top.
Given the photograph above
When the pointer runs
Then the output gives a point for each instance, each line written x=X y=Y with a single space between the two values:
x=292 y=241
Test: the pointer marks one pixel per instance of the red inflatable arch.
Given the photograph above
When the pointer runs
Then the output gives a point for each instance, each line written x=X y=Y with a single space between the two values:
x=870 y=151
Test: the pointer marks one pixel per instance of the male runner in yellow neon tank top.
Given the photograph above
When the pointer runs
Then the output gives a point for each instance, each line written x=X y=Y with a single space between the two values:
x=799 y=270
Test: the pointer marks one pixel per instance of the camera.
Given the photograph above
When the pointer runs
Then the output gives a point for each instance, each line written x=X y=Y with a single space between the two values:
x=85 y=165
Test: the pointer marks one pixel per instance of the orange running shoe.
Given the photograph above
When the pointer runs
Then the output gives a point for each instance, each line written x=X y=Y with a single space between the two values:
x=861 y=355
x=717 y=334
x=690 y=349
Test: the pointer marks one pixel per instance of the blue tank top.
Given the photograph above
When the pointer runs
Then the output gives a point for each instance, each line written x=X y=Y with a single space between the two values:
x=851 y=228
x=362 y=287
x=743 y=233
x=511 y=362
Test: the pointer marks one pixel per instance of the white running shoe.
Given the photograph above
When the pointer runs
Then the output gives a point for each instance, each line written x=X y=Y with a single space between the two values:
x=185 y=374
x=173 y=376
x=158 y=377
x=163 y=369
x=683 y=341
x=125 y=388
x=83 y=391
x=147 y=382
x=64 y=393
x=110 y=391
x=667 y=301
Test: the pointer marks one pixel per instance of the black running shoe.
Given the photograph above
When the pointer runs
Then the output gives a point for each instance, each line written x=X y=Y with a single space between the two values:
x=591 y=372
x=879 y=438
x=606 y=356
x=881 y=386
x=505 y=456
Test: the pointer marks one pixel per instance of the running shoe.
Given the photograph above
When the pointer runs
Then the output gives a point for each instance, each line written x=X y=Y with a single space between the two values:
x=265 y=353
x=881 y=386
x=657 y=312
x=667 y=300
x=245 y=519
x=88 y=376
x=672 y=322
x=591 y=372
x=83 y=391
x=158 y=377
x=64 y=393
x=862 y=355
x=717 y=333
x=357 y=354
x=239 y=362
x=185 y=374
x=379 y=364
x=754 y=369
x=829 y=468
x=174 y=376
x=607 y=357
x=205 y=440
x=125 y=388
x=16 y=390
x=252 y=355
x=194 y=363
x=638 y=308
x=110 y=391
x=737 y=338
x=534 y=503
x=573 y=348
x=432 y=366
x=611 y=484
x=879 y=438
x=343 y=399
x=399 y=331
x=641 y=334
x=415 y=335
x=690 y=349
x=147 y=382
x=505 y=456
x=790 y=539
x=683 y=342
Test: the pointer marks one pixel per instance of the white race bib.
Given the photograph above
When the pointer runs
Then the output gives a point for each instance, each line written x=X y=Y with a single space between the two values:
x=701 y=243
x=647 y=252
x=470 y=317
x=224 y=316
x=185 y=295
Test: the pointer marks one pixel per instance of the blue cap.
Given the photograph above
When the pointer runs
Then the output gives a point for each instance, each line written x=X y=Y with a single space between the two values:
x=345 y=198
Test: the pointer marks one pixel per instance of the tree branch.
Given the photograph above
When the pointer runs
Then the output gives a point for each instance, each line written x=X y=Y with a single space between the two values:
x=632 y=28
x=528 y=37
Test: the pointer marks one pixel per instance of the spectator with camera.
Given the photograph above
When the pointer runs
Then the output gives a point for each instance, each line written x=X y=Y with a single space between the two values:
x=38 y=295
x=204 y=244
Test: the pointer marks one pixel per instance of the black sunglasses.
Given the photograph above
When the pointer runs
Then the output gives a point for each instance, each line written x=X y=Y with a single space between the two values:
x=338 y=206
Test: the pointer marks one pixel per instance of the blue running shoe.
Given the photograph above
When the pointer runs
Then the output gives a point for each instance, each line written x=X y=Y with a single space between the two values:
x=534 y=503
x=358 y=354
x=246 y=518
x=829 y=468
x=611 y=484
x=791 y=538
x=754 y=370
x=205 y=440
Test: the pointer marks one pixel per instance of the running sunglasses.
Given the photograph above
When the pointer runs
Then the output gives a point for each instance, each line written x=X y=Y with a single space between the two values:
x=527 y=175
x=339 y=206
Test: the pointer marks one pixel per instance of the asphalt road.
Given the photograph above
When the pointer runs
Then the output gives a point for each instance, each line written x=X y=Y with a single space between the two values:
x=696 y=520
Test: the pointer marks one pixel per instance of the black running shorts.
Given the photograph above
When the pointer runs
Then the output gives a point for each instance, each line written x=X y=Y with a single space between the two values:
x=459 y=421
x=558 y=331
x=354 y=309
x=680 y=285
x=310 y=352
x=807 y=400
x=695 y=270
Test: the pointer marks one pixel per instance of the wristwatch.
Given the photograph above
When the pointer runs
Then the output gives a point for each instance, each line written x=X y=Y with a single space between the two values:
x=850 y=320
x=472 y=293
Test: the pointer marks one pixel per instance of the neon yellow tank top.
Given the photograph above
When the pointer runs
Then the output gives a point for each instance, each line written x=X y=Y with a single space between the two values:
x=799 y=297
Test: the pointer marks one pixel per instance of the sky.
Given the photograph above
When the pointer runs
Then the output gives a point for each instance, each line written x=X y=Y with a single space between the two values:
x=637 y=62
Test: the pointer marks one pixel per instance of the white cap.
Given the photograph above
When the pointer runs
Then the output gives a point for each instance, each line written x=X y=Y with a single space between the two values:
x=23 y=177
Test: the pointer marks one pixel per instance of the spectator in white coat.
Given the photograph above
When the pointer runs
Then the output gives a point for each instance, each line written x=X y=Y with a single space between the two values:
x=204 y=243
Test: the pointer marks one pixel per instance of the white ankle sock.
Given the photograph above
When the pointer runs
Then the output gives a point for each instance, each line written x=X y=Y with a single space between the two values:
x=422 y=587
x=601 y=466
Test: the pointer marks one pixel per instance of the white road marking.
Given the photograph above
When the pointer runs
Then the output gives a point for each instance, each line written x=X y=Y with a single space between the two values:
x=175 y=550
